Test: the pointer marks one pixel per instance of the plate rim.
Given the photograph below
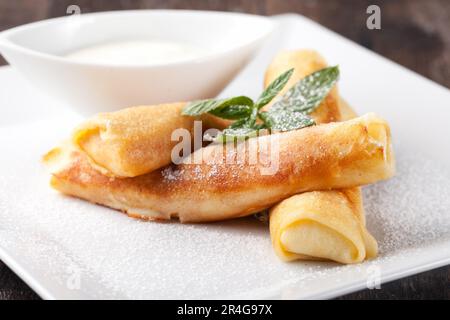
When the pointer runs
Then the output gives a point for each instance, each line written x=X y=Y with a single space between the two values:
x=420 y=266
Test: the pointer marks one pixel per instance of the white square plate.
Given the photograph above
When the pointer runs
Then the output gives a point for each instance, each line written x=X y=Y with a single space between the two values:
x=69 y=249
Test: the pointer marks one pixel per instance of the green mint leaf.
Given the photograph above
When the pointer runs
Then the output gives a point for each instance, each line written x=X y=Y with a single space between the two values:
x=280 y=119
x=247 y=122
x=233 y=134
x=232 y=112
x=196 y=108
x=307 y=94
x=273 y=89
x=241 y=129
x=287 y=113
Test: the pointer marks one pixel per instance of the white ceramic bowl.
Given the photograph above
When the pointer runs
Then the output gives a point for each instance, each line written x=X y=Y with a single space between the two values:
x=37 y=50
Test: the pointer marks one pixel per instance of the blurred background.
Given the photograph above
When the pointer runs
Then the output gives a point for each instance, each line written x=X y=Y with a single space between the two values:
x=414 y=33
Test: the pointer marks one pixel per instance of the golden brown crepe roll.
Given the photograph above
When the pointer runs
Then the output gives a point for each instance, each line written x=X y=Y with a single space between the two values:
x=221 y=186
x=304 y=63
x=322 y=225
x=297 y=231
x=135 y=140
x=305 y=237
x=131 y=141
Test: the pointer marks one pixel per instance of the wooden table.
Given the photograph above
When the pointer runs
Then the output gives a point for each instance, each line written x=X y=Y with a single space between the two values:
x=414 y=33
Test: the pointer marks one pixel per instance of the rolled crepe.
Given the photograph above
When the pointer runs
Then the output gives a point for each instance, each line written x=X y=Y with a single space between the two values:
x=135 y=140
x=131 y=141
x=322 y=225
x=219 y=185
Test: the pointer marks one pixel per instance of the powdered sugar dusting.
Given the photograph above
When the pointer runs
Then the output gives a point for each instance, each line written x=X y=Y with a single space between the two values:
x=411 y=209
x=119 y=257
x=170 y=173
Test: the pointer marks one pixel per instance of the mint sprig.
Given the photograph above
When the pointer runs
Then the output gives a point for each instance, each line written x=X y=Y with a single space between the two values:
x=287 y=113
x=197 y=108
x=286 y=120
x=232 y=112
x=290 y=111
x=241 y=129
x=307 y=94
x=273 y=89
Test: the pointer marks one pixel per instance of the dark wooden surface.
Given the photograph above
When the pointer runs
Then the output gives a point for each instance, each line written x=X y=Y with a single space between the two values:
x=415 y=33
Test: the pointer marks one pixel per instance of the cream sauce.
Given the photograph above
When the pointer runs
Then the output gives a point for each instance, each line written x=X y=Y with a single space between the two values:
x=136 y=52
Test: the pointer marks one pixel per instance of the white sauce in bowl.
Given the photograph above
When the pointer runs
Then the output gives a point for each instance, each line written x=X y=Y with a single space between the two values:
x=136 y=52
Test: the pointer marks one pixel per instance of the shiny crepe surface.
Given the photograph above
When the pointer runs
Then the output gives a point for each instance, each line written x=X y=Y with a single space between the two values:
x=322 y=225
x=132 y=141
x=295 y=224
x=336 y=155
